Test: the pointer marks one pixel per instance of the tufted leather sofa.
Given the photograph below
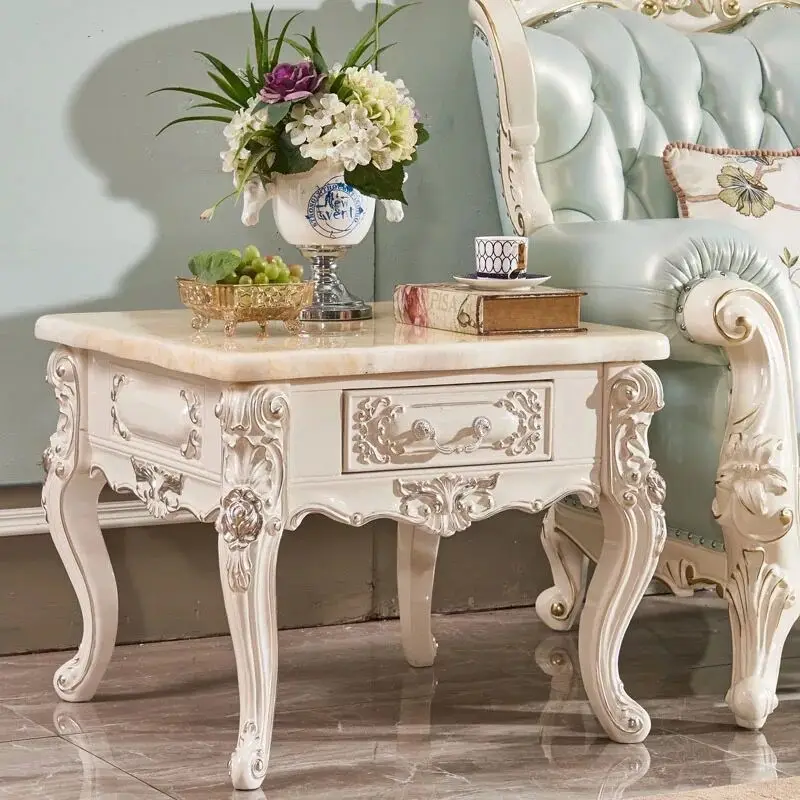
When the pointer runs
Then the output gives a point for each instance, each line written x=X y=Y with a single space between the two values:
x=578 y=105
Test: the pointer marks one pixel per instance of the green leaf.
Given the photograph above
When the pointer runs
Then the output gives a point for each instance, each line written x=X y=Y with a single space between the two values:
x=368 y=38
x=193 y=119
x=375 y=55
x=217 y=98
x=211 y=266
x=318 y=59
x=288 y=160
x=209 y=105
x=384 y=184
x=277 y=111
x=250 y=167
x=301 y=48
x=422 y=134
x=237 y=85
x=276 y=53
x=228 y=89
x=263 y=67
x=258 y=37
x=252 y=80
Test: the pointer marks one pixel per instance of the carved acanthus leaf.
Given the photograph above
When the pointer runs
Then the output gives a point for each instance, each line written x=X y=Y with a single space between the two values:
x=448 y=503
x=117 y=425
x=254 y=424
x=62 y=375
x=251 y=750
x=750 y=484
x=372 y=440
x=757 y=593
x=158 y=488
x=191 y=447
x=527 y=407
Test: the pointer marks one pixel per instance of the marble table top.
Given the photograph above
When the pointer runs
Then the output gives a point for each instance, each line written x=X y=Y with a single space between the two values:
x=166 y=339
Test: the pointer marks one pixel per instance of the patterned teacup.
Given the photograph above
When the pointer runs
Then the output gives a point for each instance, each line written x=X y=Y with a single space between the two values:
x=500 y=256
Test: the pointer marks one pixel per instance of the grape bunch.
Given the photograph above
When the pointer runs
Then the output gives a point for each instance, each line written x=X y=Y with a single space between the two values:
x=253 y=269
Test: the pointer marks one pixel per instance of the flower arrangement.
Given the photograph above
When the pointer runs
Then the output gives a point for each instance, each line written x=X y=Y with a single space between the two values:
x=283 y=118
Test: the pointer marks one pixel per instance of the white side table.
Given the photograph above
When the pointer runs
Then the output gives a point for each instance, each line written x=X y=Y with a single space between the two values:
x=432 y=429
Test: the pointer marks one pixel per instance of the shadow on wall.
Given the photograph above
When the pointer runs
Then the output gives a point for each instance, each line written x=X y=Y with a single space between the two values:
x=171 y=179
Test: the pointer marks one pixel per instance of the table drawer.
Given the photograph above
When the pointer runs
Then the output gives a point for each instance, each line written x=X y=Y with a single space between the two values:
x=437 y=426
x=167 y=415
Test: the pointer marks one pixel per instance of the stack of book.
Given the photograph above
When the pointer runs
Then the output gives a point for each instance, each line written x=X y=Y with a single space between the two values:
x=462 y=309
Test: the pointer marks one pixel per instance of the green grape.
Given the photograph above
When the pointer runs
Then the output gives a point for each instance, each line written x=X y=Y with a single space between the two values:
x=260 y=279
x=271 y=271
x=284 y=271
x=296 y=270
x=237 y=253
x=245 y=280
x=230 y=279
x=241 y=268
x=251 y=253
x=259 y=265
x=283 y=277
x=295 y=279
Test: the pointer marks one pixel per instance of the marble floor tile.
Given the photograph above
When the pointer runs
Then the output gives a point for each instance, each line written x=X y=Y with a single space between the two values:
x=15 y=726
x=502 y=715
x=53 y=769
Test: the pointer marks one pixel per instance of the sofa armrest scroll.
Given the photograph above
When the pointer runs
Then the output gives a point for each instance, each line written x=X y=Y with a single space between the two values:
x=636 y=273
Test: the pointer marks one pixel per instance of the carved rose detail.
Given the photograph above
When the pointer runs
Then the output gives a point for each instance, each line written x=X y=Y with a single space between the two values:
x=158 y=488
x=254 y=426
x=241 y=523
x=748 y=483
x=448 y=503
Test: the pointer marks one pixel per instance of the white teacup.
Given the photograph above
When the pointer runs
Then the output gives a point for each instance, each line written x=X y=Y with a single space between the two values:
x=500 y=256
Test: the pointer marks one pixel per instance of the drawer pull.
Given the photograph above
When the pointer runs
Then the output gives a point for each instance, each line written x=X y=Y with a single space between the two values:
x=422 y=430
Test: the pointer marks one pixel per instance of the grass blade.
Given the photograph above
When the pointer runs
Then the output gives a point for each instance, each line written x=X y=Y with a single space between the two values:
x=208 y=105
x=301 y=48
x=237 y=85
x=193 y=119
x=258 y=37
x=267 y=57
x=227 y=88
x=369 y=37
x=375 y=55
x=319 y=60
x=276 y=53
x=224 y=102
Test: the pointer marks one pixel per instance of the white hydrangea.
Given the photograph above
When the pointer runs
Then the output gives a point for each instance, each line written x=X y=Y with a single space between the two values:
x=244 y=121
x=374 y=126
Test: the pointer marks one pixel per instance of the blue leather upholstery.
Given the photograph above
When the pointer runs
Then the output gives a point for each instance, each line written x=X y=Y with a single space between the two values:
x=613 y=88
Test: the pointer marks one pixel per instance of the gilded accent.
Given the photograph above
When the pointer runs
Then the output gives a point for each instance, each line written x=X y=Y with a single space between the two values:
x=117 y=382
x=190 y=449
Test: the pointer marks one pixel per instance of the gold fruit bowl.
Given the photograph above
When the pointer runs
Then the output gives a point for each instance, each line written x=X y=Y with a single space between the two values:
x=233 y=303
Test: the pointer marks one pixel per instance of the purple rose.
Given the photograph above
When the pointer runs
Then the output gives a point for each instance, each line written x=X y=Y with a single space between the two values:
x=291 y=82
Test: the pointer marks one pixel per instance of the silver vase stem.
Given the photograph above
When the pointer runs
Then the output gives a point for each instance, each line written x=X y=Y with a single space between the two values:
x=332 y=301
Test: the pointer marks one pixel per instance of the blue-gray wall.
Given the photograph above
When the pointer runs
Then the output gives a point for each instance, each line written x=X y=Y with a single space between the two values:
x=97 y=214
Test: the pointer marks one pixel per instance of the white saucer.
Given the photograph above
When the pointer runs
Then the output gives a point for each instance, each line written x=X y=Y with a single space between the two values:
x=503 y=284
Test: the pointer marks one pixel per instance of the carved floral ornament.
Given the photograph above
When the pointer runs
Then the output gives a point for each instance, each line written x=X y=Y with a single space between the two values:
x=158 y=488
x=724 y=10
x=254 y=428
x=376 y=439
x=750 y=484
x=447 y=504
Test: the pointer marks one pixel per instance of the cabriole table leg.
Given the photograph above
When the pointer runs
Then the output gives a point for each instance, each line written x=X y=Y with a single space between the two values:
x=254 y=426
x=69 y=498
x=635 y=532
x=417 y=549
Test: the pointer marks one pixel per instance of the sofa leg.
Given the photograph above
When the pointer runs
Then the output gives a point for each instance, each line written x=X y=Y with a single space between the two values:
x=560 y=605
x=762 y=608
x=756 y=497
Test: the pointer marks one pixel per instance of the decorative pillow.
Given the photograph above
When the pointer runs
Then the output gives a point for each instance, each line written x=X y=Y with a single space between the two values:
x=758 y=190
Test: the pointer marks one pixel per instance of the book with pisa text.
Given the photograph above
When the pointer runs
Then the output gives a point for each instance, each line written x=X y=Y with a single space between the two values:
x=462 y=309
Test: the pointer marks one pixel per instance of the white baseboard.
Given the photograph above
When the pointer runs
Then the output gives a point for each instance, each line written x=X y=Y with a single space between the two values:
x=118 y=514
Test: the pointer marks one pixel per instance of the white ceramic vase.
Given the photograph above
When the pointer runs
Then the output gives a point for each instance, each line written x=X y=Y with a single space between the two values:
x=321 y=215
